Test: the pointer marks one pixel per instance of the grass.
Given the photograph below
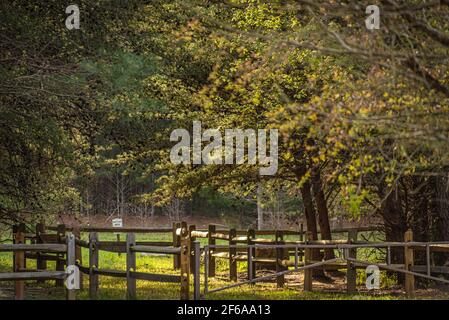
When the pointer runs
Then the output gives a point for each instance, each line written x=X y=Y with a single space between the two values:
x=115 y=288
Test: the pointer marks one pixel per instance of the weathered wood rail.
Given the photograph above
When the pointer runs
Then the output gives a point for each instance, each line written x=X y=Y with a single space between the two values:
x=347 y=260
x=21 y=250
x=131 y=247
x=256 y=255
x=280 y=260
x=239 y=246
x=212 y=234
x=46 y=246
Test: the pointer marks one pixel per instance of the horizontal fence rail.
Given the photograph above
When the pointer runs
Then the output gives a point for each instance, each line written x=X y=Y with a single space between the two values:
x=347 y=260
x=62 y=253
x=258 y=249
x=155 y=249
x=203 y=232
x=33 y=247
x=115 y=229
x=131 y=247
x=36 y=275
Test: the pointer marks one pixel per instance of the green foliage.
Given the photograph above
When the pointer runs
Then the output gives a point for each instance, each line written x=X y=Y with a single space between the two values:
x=84 y=109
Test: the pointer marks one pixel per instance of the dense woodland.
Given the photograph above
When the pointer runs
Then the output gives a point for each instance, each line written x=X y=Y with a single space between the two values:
x=363 y=115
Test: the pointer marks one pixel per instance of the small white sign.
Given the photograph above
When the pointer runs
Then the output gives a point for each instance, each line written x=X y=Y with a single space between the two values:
x=117 y=223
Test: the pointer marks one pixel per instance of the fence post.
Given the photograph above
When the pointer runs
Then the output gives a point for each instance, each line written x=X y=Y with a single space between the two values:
x=250 y=235
x=78 y=253
x=130 y=266
x=351 y=273
x=19 y=261
x=232 y=254
x=176 y=244
x=197 y=261
x=93 y=264
x=14 y=231
x=41 y=264
x=307 y=258
x=211 y=241
x=185 y=262
x=280 y=279
x=71 y=261
x=192 y=248
x=60 y=263
x=409 y=262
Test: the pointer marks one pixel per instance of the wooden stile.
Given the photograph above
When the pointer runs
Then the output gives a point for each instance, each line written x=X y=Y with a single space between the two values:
x=41 y=264
x=409 y=262
x=211 y=241
x=71 y=261
x=307 y=260
x=185 y=262
x=251 y=254
x=19 y=261
x=176 y=244
x=196 y=275
x=130 y=267
x=192 y=247
x=78 y=252
x=60 y=264
x=93 y=264
x=280 y=279
x=232 y=254
x=351 y=275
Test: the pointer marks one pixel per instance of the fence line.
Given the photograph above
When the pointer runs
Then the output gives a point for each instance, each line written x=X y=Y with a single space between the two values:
x=212 y=233
x=347 y=261
x=131 y=274
x=242 y=246
x=20 y=273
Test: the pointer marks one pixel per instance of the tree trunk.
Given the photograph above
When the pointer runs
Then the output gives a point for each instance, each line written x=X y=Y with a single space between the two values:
x=442 y=208
x=395 y=222
x=323 y=213
x=441 y=214
x=309 y=211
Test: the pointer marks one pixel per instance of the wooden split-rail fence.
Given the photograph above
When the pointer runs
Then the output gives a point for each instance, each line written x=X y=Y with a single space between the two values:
x=277 y=259
x=347 y=259
x=63 y=252
x=264 y=248
x=46 y=246
x=268 y=248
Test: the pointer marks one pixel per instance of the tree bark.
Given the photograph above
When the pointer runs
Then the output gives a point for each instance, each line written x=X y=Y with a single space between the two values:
x=395 y=222
x=323 y=213
x=442 y=208
x=441 y=215
x=309 y=211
